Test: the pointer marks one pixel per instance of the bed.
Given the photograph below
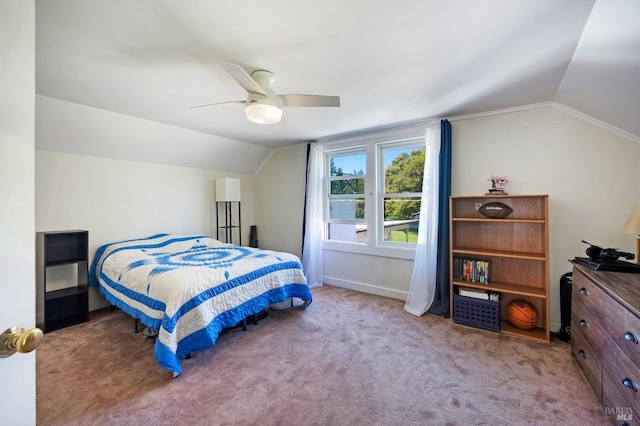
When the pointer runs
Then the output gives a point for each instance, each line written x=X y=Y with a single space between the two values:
x=191 y=287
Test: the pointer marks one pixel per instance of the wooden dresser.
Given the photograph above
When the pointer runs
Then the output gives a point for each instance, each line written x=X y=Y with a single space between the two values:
x=605 y=339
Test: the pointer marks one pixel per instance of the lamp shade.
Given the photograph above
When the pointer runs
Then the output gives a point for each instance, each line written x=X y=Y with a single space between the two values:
x=227 y=189
x=633 y=223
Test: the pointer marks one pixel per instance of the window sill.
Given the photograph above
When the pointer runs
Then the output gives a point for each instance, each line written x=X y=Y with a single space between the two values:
x=408 y=253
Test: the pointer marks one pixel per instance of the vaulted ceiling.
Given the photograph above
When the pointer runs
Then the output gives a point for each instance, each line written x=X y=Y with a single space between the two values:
x=389 y=61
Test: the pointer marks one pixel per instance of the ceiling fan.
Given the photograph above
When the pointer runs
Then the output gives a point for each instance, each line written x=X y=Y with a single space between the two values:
x=263 y=105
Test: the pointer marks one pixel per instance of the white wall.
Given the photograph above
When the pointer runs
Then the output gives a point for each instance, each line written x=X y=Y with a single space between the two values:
x=117 y=199
x=63 y=126
x=591 y=176
x=279 y=199
x=17 y=241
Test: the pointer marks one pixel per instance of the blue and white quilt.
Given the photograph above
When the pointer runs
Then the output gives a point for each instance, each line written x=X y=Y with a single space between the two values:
x=190 y=288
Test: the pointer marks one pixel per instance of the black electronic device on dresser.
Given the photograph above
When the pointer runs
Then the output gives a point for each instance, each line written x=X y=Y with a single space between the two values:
x=600 y=259
x=62 y=292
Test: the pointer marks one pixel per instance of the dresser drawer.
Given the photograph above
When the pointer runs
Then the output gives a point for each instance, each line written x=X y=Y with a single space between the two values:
x=589 y=326
x=616 y=408
x=624 y=374
x=624 y=329
x=591 y=365
x=587 y=296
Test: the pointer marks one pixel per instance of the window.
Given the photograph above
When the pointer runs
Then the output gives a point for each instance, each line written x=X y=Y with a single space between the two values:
x=346 y=207
x=401 y=172
x=373 y=192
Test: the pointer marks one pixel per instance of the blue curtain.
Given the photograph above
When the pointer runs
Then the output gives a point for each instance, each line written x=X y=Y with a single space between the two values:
x=440 y=305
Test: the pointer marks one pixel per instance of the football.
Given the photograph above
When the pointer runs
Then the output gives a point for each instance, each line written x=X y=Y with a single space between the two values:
x=495 y=210
x=522 y=315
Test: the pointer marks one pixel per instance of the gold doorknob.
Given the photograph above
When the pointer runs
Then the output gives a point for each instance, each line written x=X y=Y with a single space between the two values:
x=15 y=339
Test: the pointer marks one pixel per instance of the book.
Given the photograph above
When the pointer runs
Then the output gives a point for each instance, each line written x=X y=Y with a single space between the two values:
x=472 y=270
x=479 y=294
x=472 y=292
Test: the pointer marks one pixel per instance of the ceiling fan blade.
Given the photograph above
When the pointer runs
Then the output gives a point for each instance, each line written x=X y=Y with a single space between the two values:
x=243 y=79
x=218 y=103
x=309 y=101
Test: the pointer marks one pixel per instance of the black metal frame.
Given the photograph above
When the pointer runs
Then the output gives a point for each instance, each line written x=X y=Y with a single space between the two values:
x=228 y=226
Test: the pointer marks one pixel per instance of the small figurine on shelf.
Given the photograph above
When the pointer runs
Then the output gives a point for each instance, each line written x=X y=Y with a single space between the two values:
x=497 y=183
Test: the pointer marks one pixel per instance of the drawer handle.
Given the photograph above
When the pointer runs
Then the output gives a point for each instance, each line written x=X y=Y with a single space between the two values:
x=631 y=337
x=582 y=353
x=583 y=291
x=629 y=383
x=583 y=323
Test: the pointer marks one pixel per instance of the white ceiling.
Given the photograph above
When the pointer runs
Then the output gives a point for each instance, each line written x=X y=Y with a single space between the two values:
x=389 y=61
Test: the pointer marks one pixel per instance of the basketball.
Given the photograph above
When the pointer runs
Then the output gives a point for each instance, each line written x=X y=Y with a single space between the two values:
x=522 y=315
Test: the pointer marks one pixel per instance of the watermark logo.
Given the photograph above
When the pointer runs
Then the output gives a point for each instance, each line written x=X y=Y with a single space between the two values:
x=619 y=413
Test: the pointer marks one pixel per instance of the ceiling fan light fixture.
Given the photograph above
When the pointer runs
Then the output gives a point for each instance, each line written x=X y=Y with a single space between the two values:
x=263 y=113
x=263 y=105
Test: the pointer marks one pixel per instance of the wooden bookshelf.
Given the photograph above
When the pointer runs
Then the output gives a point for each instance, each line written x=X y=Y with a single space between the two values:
x=517 y=249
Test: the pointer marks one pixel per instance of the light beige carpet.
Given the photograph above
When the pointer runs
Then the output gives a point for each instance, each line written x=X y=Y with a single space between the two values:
x=348 y=359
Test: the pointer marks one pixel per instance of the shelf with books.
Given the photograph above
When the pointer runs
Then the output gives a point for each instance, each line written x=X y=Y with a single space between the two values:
x=515 y=249
x=478 y=293
x=473 y=270
x=500 y=287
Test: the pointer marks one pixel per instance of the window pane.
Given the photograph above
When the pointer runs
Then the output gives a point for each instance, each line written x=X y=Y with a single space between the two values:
x=346 y=208
x=347 y=232
x=401 y=208
x=347 y=186
x=404 y=169
x=401 y=216
x=349 y=165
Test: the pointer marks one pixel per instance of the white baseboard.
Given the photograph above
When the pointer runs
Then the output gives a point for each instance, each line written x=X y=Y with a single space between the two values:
x=365 y=288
